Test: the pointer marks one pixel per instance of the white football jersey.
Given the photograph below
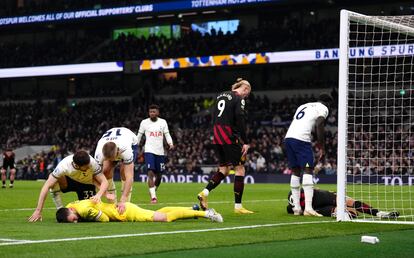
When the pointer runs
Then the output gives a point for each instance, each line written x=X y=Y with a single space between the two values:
x=304 y=120
x=65 y=168
x=123 y=138
x=154 y=135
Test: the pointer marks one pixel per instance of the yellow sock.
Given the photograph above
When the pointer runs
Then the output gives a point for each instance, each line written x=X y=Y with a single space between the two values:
x=184 y=213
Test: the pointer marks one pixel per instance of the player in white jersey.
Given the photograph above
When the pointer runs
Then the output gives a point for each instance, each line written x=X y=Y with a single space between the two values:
x=76 y=173
x=299 y=152
x=155 y=129
x=118 y=144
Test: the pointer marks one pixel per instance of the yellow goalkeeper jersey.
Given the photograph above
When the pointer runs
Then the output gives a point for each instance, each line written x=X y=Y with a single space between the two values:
x=104 y=212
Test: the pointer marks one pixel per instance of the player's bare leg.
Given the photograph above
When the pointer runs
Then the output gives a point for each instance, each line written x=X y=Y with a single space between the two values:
x=295 y=189
x=12 y=175
x=157 y=180
x=213 y=183
x=3 y=177
x=307 y=184
x=238 y=190
x=151 y=186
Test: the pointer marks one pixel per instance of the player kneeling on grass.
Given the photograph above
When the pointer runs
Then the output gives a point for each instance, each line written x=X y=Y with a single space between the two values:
x=324 y=203
x=89 y=211
x=76 y=173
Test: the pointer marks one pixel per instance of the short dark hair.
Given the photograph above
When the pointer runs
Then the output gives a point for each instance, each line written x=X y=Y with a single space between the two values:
x=62 y=215
x=109 y=150
x=154 y=106
x=81 y=158
x=325 y=98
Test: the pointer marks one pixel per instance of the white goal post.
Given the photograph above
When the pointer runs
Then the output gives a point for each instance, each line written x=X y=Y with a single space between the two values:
x=375 y=115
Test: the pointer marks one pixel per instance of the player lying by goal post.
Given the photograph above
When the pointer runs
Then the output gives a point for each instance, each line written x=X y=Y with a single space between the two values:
x=324 y=202
x=90 y=211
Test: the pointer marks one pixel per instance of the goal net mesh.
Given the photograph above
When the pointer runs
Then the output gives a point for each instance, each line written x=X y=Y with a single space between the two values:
x=379 y=163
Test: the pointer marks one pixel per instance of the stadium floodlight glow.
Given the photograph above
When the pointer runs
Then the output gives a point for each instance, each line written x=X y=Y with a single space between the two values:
x=144 y=17
x=165 y=15
x=375 y=116
x=188 y=14
x=208 y=12
x=61 y=70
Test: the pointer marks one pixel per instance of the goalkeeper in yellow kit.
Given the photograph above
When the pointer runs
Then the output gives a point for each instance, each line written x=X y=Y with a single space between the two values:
x=88 y=210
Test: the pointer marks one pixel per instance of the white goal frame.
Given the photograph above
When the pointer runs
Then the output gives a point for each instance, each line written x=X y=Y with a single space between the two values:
x=344 y=54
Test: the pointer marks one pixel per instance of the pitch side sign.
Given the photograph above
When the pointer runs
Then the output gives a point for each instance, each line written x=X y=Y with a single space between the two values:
x=172 y=6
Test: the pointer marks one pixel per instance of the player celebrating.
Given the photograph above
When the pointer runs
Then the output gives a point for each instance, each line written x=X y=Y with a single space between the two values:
x=8 y=162
x=103 y=212
x=155 y=129
x=299 y=149
x=230 y=141
x=324 y=202
x=117 y=144
x=75 y=173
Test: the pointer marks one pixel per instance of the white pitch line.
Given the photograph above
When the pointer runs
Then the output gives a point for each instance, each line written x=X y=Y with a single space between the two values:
x=10 y=240
x=26 y=209
x=24 y=242
x=165 y=203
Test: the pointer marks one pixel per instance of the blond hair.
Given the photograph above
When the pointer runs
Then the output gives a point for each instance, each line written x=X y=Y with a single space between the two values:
x=240 y=82
x=109 y=150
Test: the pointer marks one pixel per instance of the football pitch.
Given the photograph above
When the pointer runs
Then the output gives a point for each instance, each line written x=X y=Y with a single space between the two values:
x=269 y=232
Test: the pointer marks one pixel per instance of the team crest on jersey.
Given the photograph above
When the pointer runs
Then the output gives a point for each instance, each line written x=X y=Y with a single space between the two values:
x=243 y=103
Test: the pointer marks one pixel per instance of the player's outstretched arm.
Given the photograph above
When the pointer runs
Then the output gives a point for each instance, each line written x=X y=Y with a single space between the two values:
x=168 y=137
x=245 y=149
x=129 y=180
x=103 y=187
x=37 y=214
x=320 y=132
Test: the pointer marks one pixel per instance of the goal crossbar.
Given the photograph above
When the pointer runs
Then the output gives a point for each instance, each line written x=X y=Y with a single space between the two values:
x=375 y=21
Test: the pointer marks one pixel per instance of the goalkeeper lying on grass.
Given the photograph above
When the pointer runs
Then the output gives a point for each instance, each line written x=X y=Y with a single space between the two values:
x=88 y=210
x=324 y=202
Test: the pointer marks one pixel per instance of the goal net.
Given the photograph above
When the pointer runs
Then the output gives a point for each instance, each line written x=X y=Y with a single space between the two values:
x=375 y=139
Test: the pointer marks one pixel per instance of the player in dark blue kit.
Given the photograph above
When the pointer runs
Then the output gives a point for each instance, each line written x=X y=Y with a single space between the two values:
x=230 y=141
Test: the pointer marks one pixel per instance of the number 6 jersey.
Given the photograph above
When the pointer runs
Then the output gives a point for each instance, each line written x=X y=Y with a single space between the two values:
x=304 y=120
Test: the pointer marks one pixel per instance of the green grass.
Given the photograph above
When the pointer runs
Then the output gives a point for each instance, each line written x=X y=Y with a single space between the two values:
x=267 y=200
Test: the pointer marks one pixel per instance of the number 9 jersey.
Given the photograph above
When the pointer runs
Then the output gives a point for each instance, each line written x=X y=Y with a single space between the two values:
x=304 y=120
x=229 y=119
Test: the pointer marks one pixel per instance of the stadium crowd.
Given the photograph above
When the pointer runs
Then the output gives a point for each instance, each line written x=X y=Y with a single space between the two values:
x=69 y=128
x=74 y=47
x=85 y=87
